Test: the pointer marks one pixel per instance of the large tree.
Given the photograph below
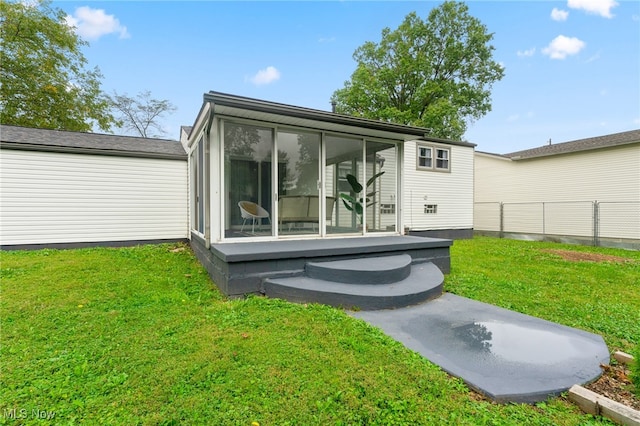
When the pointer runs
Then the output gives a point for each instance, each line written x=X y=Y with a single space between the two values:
x=435 y=73
x=44 y=79
x=141 y=114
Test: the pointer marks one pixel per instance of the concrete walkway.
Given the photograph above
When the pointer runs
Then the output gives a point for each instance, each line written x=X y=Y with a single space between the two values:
x=507 y=356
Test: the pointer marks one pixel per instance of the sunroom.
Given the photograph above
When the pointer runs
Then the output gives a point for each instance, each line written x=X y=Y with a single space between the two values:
x=271 y=183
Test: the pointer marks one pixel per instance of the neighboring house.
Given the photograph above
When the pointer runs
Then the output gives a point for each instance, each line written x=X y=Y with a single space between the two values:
x=69 y=189
x=588 y=188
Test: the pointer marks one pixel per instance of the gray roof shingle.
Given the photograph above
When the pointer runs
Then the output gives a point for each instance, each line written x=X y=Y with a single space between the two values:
x=26 y=138
x=598 y=142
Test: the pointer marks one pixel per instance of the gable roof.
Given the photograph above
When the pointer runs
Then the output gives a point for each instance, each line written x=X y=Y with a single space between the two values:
x=598 y=142
x=186 y=130
x=27 y=138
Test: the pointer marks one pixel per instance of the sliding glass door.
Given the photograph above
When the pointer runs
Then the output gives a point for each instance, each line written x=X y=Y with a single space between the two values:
x=298 y=182
x=343 y=174
x=273 y=185
x=248 y=188
x=381 y=187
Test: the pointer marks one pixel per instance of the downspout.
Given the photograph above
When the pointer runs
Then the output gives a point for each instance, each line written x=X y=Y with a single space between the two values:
x=207 y=177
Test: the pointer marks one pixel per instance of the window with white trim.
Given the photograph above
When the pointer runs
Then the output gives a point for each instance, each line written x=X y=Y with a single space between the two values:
x=434 y=158
x=442 y=159
x=425 y=157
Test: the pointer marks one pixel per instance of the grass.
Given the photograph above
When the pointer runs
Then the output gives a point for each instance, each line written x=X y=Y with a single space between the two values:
x=601 y=297
x=140 y=336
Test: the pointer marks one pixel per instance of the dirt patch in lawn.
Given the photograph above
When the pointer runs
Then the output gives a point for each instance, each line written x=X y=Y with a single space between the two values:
x=613 y=384
x=579 y=256
x=616 y=385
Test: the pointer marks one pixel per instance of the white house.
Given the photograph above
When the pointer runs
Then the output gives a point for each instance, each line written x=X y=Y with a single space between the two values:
x=275 y=186
x=262 y=188
x=426 y=183
x=67 y=189
x=587 y=188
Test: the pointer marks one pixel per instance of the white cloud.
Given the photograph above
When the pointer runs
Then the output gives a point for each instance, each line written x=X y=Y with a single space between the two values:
x=559 y=15
x=513 y=117
x=528 y=52
x=562 y=46
x=265 y=76
x=595 y=7
x=326 y=39
x=92 y=24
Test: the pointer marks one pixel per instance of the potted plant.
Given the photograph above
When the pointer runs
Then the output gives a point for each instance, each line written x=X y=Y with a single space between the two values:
x=356 y=204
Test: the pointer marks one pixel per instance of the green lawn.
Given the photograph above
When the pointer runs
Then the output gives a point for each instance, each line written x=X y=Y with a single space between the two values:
x=601 y=297
x=140 y=336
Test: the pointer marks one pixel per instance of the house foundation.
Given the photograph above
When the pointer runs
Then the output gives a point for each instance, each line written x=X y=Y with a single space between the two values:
x=241 y=268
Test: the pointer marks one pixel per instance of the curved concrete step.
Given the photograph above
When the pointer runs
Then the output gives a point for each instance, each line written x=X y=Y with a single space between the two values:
x=424 y=283
x=368 y=270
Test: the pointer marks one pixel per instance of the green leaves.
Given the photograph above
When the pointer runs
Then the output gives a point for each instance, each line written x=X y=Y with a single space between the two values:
x=355 y=185
x=356 y=205
x=45 y=82
x=435 y=73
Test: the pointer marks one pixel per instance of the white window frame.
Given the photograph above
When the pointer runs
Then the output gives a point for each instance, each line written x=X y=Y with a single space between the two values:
x=435 y=151
x=438 y=158
x=419 y=157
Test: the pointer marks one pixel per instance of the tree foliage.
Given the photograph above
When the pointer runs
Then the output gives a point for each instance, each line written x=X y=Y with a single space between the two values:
x=435 y=73
x=44 y=80
x=141 y=115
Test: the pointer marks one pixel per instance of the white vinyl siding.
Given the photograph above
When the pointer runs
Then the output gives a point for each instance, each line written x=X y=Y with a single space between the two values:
x=611 y=174
x=66 y=198
x=452 y=192
x=568 y=185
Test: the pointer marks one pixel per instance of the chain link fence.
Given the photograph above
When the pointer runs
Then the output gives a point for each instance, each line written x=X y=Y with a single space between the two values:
x=598 y=223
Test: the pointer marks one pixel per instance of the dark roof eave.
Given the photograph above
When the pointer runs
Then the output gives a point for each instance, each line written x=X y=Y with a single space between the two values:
x=446 y=141
x=580 y=145
x=521 y=157
x=252 y=104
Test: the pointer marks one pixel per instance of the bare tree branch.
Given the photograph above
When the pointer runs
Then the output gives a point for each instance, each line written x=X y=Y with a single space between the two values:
x=141 y=114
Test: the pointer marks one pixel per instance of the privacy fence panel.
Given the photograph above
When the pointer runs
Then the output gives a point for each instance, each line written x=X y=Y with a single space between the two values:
x=569 y=218
x=525 y=218
x=619 y=220
x=487 y=216
x=586 y=222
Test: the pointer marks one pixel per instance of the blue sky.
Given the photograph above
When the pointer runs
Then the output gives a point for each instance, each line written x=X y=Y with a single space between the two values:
x=572 y=68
